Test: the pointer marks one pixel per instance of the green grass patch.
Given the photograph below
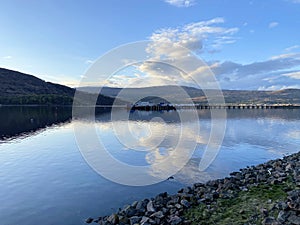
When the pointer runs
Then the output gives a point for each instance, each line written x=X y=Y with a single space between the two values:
x=246 y=208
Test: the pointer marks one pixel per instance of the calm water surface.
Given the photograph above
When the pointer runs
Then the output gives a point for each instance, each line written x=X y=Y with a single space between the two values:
x=45 y=180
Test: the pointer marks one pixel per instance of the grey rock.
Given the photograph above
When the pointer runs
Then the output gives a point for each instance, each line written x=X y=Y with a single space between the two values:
x=128 y=211
x=243 y=188
x=264 y=212
x=185 y=203
x=282 y=205
x=151 y=221
x=89 y=220
x=104 y=222
x=123 y=220
x=131 y=212
x=294 y=219
x=134 y=204
x=185 y=195
x=173 y=200
x=288 y=167
x=175 y=220
x=141 y=205
x=157 y=221
x=187 y=190
x=169 y=206
x=113 y=219
x=148 y=214
x=135 y=220
x=281 y=216
x=208 y=197
x=126 y=207
x=178 y=206
x=144 y=220
x=150 y=207
x=164 y=210
x=173 y=211
x=170 y=178
x=269 y=221
x=158 y=214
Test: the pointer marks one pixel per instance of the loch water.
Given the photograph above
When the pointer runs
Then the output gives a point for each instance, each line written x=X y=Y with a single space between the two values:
x=44 y=178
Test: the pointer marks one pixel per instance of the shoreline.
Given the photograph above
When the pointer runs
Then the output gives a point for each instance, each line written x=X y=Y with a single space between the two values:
x=268 y=194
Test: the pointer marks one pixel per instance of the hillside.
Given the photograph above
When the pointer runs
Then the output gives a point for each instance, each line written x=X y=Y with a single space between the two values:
x=291 y=96
x=17 y=88
x=16 y=83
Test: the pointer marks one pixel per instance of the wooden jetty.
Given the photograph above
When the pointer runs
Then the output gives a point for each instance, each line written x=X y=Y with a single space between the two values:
x=236 y=106
x=153 y=107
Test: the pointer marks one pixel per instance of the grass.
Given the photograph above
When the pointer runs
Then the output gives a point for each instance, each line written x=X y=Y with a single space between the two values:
x=247 y=208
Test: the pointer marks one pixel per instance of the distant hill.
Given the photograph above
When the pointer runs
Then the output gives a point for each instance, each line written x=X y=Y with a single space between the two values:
x=16 y=83
x=173 y=93
x=287 y=96
x=17 y=88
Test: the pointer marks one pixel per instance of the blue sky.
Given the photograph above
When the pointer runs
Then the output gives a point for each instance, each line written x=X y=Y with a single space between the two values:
x=248 y=44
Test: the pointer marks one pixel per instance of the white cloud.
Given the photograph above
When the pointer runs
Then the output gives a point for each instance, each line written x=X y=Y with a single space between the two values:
x=173 y=46
x=198 y=37
x=291 y=48
x=293 y=75
x=276 y=63
x=181 y=3
x=89 y=61
x=279 y=72
x=166 y=153
x=295 y=134
x=286 y=56
x=7 y=57
x=273 y=24
x=278 y=87
x=276 y=73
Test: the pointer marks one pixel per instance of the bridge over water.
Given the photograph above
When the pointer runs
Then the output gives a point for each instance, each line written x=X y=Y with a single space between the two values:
x=236 y=106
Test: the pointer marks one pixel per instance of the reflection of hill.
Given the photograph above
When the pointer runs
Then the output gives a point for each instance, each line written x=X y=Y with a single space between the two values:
x=104 y=115
x=17 y=121
x=281 y=114
x=20 y=120
x=205 y=114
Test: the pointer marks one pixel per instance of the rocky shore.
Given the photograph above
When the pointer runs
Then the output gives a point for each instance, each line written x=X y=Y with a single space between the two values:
x=266 y=194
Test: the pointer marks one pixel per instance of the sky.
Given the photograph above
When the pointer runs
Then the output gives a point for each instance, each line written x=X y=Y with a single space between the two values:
x=253 y=45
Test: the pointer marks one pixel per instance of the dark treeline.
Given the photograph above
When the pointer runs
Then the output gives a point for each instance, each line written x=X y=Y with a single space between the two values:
x=36 y=100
